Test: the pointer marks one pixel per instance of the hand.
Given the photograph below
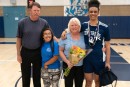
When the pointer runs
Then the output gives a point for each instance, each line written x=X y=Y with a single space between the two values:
x=63 y=35
x=108 y=66
x=70 y=65
x=104 y=49
x=45 y=66
x=19 y=59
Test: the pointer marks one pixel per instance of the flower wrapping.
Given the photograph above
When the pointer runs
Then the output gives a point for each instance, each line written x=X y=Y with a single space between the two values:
x=75 y=55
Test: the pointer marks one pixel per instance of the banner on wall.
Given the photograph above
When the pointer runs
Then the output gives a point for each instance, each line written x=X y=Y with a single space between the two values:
x=76 y=8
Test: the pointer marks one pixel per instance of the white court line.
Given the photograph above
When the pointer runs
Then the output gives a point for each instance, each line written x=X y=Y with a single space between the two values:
x=115 y=56
x=118 y=63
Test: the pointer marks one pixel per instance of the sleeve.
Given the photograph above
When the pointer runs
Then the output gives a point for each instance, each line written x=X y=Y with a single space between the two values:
x=47 y=25
x=20 y=29
x=82 y=27
x=107 y=34
x=61 y=43
x=56 y=48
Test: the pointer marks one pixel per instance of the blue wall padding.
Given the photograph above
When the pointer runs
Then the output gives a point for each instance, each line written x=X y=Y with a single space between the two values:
x=1 y=27
x=119 y=25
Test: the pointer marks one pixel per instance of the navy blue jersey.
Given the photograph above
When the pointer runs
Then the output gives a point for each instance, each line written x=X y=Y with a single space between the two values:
x=94 y=37
x=101 y=33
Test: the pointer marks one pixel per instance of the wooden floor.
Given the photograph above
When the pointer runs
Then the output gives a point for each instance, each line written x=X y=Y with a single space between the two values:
x=10 y=68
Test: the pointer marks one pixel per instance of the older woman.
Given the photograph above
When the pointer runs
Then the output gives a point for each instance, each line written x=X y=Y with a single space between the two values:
x=73 y=38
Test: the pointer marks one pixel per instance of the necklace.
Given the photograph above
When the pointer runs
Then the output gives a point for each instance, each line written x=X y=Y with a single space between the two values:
x=93 y=35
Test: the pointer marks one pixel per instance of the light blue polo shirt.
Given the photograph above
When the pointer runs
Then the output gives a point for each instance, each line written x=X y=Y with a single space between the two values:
x=69 y=42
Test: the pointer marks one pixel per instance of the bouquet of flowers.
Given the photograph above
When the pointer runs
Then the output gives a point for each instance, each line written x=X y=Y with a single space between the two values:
x=75 y=55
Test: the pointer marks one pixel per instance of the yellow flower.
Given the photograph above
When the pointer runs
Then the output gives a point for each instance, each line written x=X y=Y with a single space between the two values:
x=75 y=55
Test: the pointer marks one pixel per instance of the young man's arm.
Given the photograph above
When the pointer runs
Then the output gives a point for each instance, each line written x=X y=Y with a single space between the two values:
x=108 y=53
x=63 y=35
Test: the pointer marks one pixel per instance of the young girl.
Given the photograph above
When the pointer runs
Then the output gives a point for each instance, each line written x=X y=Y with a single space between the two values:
x=50 y=71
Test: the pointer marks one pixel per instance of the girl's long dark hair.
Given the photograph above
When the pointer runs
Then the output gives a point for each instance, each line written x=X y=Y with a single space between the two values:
x=52 y=40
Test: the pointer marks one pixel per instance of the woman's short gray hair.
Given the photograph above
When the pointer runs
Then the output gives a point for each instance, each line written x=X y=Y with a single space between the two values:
x=74 y=19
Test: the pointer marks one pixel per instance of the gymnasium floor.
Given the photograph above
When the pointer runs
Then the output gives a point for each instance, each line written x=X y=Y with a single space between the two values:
x=10 y=68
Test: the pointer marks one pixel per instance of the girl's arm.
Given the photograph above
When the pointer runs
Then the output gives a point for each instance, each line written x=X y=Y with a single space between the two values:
x=52 y=60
